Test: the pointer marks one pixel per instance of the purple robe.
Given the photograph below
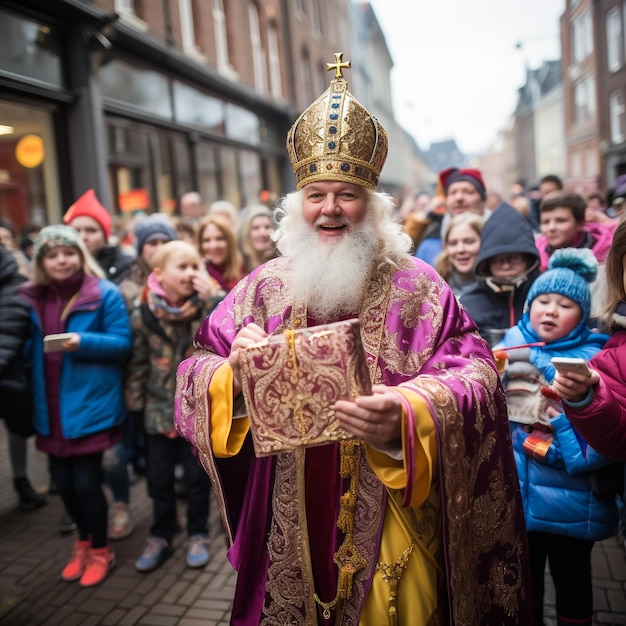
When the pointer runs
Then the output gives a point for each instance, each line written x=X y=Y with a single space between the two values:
x=415 y=335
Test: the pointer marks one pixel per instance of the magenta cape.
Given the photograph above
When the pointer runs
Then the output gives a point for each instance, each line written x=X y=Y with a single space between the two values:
x=416 y=335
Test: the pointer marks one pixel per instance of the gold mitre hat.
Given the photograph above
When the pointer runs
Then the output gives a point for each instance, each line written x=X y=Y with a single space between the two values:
x=336 y=138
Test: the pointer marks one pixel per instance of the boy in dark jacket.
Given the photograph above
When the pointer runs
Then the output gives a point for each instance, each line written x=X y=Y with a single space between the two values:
x=507 y=264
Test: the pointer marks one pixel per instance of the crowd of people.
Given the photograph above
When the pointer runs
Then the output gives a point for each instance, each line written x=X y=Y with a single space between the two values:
x=471 y=463
x=93 y=325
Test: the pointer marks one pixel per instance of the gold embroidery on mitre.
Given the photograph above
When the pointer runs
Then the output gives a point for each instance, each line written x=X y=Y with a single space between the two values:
x=336 y=138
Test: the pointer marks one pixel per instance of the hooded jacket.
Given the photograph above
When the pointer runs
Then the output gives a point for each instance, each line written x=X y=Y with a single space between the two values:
x=494 y=305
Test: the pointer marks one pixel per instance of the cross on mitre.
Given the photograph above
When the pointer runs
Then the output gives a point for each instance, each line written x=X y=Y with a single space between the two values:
x=338 y=65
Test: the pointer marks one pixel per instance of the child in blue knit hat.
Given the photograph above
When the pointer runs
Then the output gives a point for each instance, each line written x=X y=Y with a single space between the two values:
x=564 y=517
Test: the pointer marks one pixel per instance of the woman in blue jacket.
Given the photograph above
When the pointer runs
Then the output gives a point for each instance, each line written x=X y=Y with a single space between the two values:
x=564 y=517
x=77 y=382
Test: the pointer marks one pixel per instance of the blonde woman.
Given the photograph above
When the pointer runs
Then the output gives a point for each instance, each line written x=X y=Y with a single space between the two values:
x=255 y=239
x=461 y=245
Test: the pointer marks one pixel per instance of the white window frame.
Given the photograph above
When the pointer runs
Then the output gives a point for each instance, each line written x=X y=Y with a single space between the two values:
x=617 y=117
x=126 y=10
x=276 y=83
x=584 y=89
x=188 y=30
x=221 y=40
x=613 y=40
x=259 y=57
x=582 y=36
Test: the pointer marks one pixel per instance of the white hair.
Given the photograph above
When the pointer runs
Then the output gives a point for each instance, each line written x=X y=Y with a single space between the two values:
x=393 y=240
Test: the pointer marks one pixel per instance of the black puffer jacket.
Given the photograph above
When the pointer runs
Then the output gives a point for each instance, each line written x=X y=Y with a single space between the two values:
x=15 y=396
x=494 y=305
x=115 y=263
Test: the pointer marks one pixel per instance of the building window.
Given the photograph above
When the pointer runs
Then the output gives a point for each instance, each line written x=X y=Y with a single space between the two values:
x=307 y=87
x=314 y=15
x=591 y=163
x=188 y=29
x=575 y=165
x=584 y=99
x=276 y=83
x=617 y=116
x=582 y=36
x=221 y=38
x=259 y=60
x=131 y=12
x=614 y=39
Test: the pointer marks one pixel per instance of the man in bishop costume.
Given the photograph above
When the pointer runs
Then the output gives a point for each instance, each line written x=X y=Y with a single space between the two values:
x=417 y=519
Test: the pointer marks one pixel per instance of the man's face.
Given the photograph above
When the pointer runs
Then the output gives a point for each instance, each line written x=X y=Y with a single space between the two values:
x=462 y=196
x=90 y=232
x=332 y=208
x=560 y=228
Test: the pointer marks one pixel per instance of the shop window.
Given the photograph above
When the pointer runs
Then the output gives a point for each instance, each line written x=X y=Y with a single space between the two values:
x=199 y=109
x=229 y=176
x=30 y=49
x=29 y=182
x=148 y=167
x=140 y=88
x=251 y=178
x=208 y=172
x=242 y=124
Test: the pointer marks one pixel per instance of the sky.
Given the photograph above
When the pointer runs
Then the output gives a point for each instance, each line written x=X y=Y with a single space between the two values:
x=457 y=68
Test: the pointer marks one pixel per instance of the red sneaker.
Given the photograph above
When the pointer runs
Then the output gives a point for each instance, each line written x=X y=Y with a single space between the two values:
x=77 y=563
x=100 y=562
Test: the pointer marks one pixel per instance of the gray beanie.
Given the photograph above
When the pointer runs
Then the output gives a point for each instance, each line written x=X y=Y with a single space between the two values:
x=151 y=228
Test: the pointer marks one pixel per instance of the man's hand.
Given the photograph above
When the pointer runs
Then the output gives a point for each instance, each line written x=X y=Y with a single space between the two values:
x=245 y=337
x=572 y=386
x=377 y=419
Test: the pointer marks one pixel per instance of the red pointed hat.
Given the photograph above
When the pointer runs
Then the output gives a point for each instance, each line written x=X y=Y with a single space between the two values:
x=454 y=175
x=88 y=205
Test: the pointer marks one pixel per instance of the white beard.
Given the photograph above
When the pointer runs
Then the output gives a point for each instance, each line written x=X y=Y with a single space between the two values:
x=329 y=278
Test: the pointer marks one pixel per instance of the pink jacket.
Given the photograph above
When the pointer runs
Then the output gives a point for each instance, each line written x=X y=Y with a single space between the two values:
x=602 y=423
x=602 y=234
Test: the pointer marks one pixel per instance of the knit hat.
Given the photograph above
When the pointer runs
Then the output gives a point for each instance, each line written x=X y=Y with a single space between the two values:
x=87 y=205
x=455 y=175
x=53 y=236
x=569 y=273
x=151 y=228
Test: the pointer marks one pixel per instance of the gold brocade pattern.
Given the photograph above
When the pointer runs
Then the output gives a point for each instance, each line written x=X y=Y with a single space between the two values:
x=485 y=518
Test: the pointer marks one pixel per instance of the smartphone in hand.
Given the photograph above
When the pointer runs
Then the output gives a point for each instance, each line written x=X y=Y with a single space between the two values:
x=564 y=365
x=53 y=343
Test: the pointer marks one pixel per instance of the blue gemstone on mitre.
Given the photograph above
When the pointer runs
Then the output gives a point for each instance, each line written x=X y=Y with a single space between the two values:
x=345 y=166
x=335 y=105
x=313 y=168
x=332 y=130
x=332 y=145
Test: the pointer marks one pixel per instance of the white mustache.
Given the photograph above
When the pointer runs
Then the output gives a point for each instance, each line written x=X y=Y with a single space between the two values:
x=329 y=221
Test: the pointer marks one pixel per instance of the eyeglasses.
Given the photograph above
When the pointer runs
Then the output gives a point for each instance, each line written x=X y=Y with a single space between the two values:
x=507 y=259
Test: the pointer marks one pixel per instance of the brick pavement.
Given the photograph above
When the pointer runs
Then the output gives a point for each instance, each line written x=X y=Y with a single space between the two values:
x=32 y=554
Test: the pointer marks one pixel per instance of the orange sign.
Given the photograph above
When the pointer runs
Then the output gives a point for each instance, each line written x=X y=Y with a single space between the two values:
x=134 y=200
x=29 y=151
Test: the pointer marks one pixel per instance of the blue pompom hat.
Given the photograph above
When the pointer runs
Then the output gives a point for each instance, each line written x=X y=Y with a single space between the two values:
x=569 y=273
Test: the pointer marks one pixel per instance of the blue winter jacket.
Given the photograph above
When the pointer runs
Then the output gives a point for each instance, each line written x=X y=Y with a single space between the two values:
x=557 y=494
x=91 y=395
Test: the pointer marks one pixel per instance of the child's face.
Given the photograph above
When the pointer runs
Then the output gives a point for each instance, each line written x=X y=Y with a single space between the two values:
x=554 y=316
x=560 y=228
x=177 y=275
x=61 y=262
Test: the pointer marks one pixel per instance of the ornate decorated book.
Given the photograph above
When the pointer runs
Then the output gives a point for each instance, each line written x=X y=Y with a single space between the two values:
x=292 y=381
